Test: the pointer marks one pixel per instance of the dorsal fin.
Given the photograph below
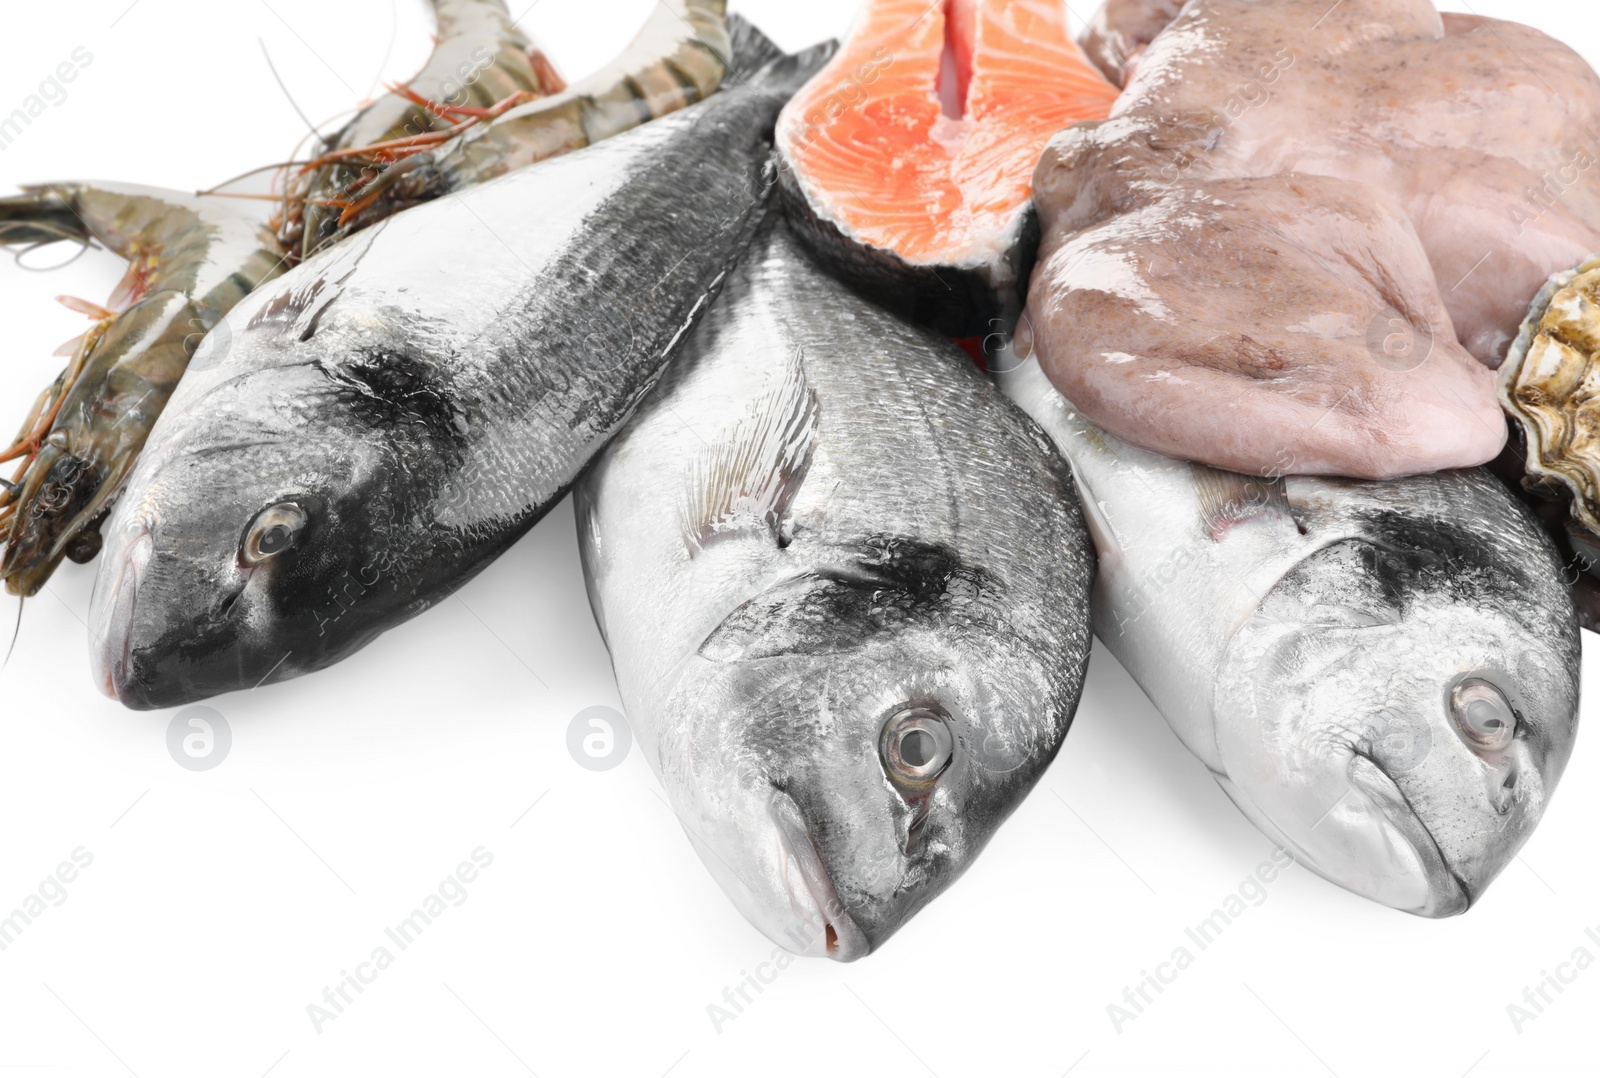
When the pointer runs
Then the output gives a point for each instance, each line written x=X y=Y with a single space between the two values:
x=301 y=304
x=748 y=477
x=1229 y=498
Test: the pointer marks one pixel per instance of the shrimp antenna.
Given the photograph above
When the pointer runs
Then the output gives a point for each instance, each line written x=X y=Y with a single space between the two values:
x=279 y=78
x=15 y=633
x=82 y=242
x=217 y=189
x=394 y=32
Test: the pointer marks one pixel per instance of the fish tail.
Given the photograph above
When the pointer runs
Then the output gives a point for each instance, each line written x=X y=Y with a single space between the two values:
x=785 y=75
x=752 y=50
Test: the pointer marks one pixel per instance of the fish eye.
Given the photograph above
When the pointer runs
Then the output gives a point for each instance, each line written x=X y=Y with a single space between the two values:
x=1484 y=716
x=917 y=745
x=274 y=530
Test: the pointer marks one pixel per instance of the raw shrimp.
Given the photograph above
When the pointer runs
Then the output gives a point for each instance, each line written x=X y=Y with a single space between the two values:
x=680 y=56
x=481 y=67
x=190 y=259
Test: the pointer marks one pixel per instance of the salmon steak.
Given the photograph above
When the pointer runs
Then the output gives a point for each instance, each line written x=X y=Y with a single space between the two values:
x=908 y=161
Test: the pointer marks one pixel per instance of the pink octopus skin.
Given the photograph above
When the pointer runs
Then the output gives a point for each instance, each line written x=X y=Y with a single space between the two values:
x=1306 y=236
x=1120 y=32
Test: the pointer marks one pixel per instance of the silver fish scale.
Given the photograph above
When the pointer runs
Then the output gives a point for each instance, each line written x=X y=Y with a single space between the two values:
x=929 y=552
x=1319 y=644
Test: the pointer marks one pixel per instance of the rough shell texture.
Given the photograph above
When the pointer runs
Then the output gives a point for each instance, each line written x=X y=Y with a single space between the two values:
x=1550 y=383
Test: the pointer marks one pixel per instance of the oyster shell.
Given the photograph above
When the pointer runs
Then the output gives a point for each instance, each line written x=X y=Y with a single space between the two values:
x=1550 y=384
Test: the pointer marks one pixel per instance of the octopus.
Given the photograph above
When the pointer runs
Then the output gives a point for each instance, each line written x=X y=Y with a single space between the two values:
x=1120 y=32
x=1308 y=233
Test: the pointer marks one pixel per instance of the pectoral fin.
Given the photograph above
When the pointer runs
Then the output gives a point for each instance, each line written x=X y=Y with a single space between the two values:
x=748 y=477
x=1228 y=499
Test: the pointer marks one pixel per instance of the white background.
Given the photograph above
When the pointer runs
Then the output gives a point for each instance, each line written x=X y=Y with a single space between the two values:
x=219 y=904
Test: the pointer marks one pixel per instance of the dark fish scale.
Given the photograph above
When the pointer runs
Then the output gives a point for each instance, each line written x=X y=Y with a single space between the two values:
x=438 y=415
x=398 y=393
x=898 y=581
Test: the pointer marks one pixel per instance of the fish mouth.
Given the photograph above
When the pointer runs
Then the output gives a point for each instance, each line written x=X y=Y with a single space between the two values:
x=111 y=653
x=1402 y=831
x=825 y=928
x=1344 y=814
x=1448 y=894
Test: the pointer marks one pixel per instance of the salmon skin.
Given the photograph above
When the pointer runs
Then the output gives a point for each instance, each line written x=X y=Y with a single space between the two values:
x=399 y=409
x=908 y=161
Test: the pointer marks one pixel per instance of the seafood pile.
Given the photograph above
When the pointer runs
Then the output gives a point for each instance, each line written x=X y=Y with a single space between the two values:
x=387 y=422
x=885 y=374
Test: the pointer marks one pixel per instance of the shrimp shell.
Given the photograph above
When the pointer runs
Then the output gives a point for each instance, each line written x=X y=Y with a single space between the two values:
x=190 y=260
x=680 y=56
x=481 y=60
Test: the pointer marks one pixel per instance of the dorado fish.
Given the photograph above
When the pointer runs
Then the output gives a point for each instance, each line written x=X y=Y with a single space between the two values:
x=398 y=410
x=844 y=584
x=1382 y=676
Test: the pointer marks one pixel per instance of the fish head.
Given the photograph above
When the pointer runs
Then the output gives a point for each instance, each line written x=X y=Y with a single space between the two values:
x=1398 y=709
x=268 y=529
x=839 y=749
